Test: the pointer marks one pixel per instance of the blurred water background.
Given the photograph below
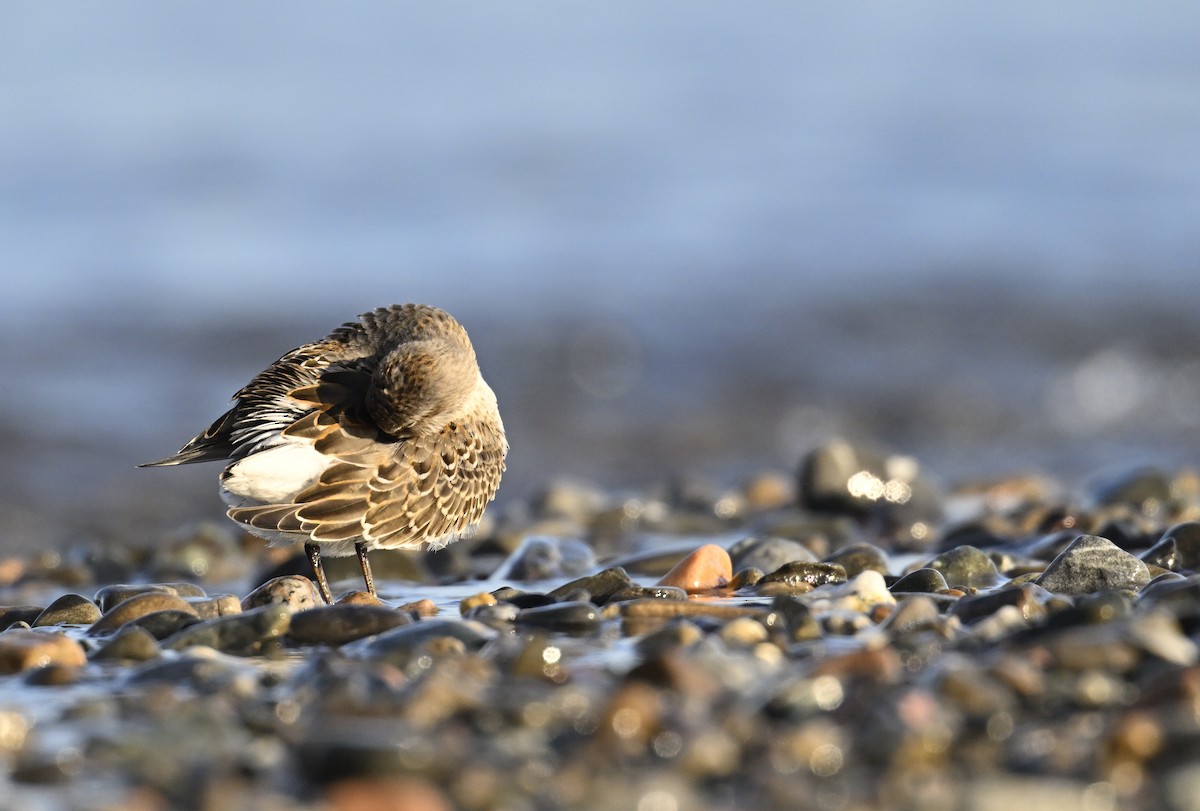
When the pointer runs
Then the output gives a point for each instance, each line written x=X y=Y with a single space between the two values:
x=695 y=237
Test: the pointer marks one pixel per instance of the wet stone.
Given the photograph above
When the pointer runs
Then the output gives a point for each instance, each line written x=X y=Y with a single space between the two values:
x=291 y=591
x=704 y=569
x=842 y=478
x=339 y=624
x=1145 y=489
x=1029 y=599
x=794 y=618
x=566 y=617
x=69 y=609
x=139 y=606
x=768 y=554
x=240 y=633
x=649 y=592
x=1091 y=564
x=162 y=624
x=967 y=567
x=544 y=557
x=858 y=558
x=401 y=645
x=913 y=614
x=809 y=574
x=11 y=615
x=222 y=605
x=469 y=604
x=130 y=644
x=745 y=578
x=109 y=596
x=1178 y=550
x=677 y=633
x=22 y=649
x=601 y=586
x=921 y=580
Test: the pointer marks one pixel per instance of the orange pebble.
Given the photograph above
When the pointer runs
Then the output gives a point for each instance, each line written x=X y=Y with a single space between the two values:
x=709 y=567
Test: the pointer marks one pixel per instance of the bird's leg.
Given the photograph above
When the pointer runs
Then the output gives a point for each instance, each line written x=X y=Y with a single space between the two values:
x=314 y=557
x=361 y=549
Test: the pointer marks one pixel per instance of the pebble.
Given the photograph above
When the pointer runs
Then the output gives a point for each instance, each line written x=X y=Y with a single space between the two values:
x=139 y=606
x=69 y=609
x=294 y=592
x=339 y=624
x=109 y=596
x=13 y=614
x=705 y=569
x=401 y=645
x=768 y=554
x=1091 y=563
x=22 y=650
x=806 y=576
x=926 y=579
x=130 y=644
x=858 y=558
x=240 y=633
x=544 y=557
x=565 y=617
x=967 y=567
x=600 y=586
x=1178 y=550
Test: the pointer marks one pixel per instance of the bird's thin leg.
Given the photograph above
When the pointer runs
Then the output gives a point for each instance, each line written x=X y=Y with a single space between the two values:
x=314 y=557
x=361 y=549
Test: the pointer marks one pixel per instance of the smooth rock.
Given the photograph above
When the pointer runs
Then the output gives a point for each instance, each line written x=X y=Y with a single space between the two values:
x=22 y=649
x=236 y=634
x=1029 y=599
x=915 y=613
x=842 y=478
x=339 y=624
x=707 y=568
x=162 y=624
x=139 y=606
x=810 y=574
x=543 y=557
x=69 y=609
x=401 y=645
x=222 y=605
x=601 y=586
x=567 y=617
x=1178 y=549
x=110 y=596
x=967 y=567
x=12 y=614
x=1145 y=489
x=794 y=618
x=1091 y=564
x=294 y=592
x=925 y=580
x=130 y=644
x=861 y=594
x=858 y=558
x=768 y=554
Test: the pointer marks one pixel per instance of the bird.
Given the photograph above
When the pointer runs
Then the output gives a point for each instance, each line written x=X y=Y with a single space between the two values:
x=382 y=435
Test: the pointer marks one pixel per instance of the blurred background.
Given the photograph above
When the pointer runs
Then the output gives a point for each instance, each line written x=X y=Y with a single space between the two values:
x=686 y=237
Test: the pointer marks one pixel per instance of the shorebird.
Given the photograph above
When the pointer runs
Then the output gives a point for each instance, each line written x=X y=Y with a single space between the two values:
x=383 y=435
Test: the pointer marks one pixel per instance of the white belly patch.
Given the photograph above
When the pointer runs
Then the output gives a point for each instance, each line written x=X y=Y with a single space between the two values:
x=273 y=476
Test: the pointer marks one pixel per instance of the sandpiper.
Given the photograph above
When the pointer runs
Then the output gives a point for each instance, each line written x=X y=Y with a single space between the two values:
x=383 y=435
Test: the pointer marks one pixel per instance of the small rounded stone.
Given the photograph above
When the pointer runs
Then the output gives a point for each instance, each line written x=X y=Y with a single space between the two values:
x=69 y=609
x=707 y=568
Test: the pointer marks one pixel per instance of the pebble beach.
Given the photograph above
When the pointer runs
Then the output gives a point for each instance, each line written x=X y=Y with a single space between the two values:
x=848 y=634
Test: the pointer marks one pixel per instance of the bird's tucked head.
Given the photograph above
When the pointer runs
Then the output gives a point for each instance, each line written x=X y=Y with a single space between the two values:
x=421 y=385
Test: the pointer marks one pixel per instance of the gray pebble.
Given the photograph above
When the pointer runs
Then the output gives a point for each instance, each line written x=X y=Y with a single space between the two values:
x=130 y=644
x=294 y=592
x=239 y=633
x=967 y=567
x=921 y=580
x=601 y=586
x=339 y=624
x=768 y=554
x=567 y=617
x=812 y=574
x=1092 y=563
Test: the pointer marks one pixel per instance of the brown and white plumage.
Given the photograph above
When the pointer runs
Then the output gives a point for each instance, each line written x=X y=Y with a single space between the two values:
x=383 y=435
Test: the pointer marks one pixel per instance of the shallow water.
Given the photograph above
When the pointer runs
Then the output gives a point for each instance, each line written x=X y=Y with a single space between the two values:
x=700 y=241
